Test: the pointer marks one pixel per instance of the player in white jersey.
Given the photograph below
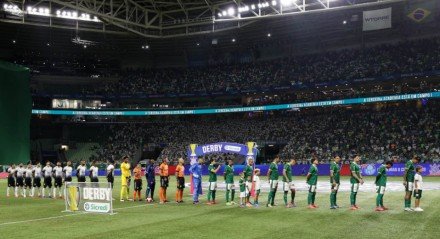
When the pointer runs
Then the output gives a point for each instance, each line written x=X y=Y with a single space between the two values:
x=37 y=180
x=19 y=175
x=418 y=187
x=81 y=172
x=47 y=173
x=58 y=175
x=257 y=186
x=11 y=179
x=93 y=173
x=110 y=173
x=28 y=179
x=67 y=170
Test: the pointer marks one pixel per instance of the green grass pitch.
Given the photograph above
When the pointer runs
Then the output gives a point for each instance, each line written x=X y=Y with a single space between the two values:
x=42 y=218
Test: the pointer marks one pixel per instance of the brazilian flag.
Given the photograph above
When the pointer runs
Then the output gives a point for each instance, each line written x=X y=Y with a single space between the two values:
x=421 y=11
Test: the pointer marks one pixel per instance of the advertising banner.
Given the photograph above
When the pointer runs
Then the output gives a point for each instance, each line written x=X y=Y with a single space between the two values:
x=377 y=19
x=89 y=197
x=233 y=148
x=398 y=169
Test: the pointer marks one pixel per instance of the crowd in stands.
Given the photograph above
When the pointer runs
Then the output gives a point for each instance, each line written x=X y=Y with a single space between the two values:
x=405 y=57
x=376 y=133
x=414 y=56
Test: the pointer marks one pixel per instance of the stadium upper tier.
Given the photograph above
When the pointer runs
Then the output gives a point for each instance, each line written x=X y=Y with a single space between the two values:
x=381 y=62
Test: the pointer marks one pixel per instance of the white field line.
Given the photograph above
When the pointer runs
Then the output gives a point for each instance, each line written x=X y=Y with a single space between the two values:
x=67 y=215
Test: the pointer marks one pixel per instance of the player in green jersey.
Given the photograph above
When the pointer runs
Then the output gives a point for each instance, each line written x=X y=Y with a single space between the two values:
x=335 y=175
x=248 y=174
x=408 y=179
x=312 y=181
x=272 y=176
x=288 y=184
x=229 y=180
x=213 y=169
x=355 y=180
x=381 y=183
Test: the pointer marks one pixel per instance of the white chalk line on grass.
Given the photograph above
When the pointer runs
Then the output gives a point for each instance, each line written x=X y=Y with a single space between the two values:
x=67 y=215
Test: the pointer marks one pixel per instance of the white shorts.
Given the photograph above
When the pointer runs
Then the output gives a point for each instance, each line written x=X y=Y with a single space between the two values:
x=409 y=186
x=336 y=188
x=380 y=189
x=242 y=194
x=312 y=188
x=354 y=187
x=230 y=186
x=273 y=184
x=288 y=186
x=212 y=186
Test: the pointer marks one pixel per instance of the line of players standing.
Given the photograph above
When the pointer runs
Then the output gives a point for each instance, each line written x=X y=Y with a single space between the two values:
x=25 y=180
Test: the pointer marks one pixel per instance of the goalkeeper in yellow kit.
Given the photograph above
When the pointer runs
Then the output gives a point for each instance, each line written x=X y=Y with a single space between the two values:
x=125 y=179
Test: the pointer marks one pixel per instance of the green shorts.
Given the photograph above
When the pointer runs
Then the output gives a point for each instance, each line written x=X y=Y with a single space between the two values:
x=418 y=194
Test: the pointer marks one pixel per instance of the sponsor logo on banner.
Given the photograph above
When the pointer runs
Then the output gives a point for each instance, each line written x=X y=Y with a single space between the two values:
x=377 y=19
x=370 y=169
x=434 y=170
x=233 y=148
x=96 y=207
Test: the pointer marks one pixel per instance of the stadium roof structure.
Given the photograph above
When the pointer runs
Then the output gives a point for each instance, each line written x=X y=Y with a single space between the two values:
x=165 y=18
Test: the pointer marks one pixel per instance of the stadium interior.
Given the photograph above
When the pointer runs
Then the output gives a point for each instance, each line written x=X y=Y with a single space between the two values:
x=113 y=82
x=292 y=59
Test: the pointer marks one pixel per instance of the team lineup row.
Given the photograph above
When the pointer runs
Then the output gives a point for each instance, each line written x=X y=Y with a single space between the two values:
x=21 y=178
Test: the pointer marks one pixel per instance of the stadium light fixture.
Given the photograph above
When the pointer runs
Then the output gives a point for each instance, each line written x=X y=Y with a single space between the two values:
x=13 y=41
x=344 y=22
x=233 y=39
x=269 y=35
x=85 y=46
x=253 y=6
x=274 y=3
x=11 y=8
x=286 y=3
x=48 y=44
x=231 y=11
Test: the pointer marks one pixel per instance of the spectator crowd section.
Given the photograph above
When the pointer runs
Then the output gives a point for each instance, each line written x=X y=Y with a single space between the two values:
x=379 y=132
x=414 y=56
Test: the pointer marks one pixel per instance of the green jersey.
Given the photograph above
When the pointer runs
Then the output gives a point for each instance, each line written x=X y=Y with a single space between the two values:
x=248 y=172
x=336 y=173
x=355 y=170
x=381 y=178
x=229 y=174
x=242 y=185
x=212 y=175
x=273 y=171
x=409 y=167
x=313 y=180
x=288 y=169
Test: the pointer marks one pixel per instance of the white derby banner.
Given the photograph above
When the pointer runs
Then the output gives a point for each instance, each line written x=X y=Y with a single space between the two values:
x=377 y=19
x=89 y=197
